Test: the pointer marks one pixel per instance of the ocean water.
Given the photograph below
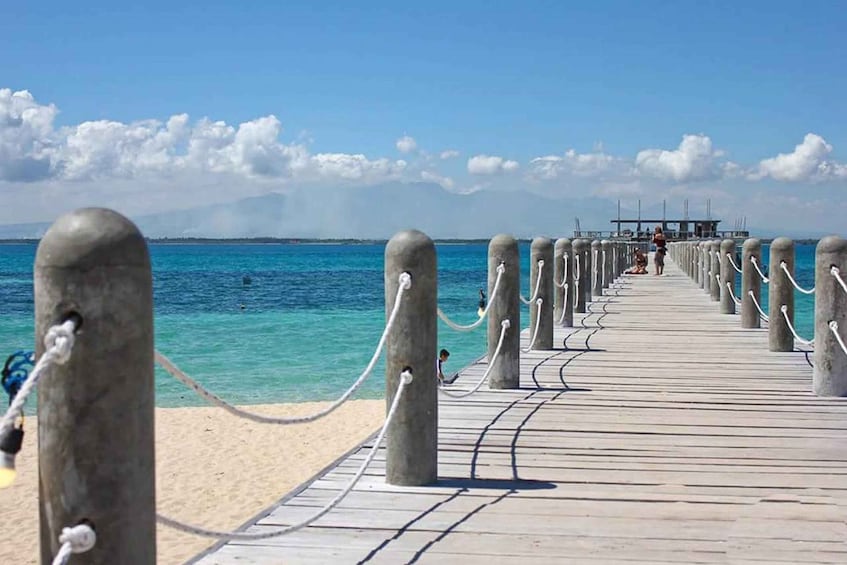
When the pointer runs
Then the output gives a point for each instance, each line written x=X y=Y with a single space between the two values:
x=312 y=314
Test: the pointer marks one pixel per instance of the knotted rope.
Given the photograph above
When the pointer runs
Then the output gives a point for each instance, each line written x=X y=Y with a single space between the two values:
x=564 y=272
x=785 y=270
x=405 y=280
x=78 y=539
x=836 y=272
x=833 y=327
x=504 y=325
x=405 y=379
x=732 y=293
x=784 y=310
x=458 y=327
x=565 y=305
x=759 y=308
x=538 y=302
x=537 y=284
x=732 y=262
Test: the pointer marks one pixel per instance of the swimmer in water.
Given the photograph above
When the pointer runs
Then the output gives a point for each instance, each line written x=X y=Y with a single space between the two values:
x=481 y=310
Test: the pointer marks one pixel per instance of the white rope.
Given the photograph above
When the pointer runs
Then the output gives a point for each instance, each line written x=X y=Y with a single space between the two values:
x=565 y=305
x=603 y=279
x=79 y=539
x=576 y=267
x=58 y=343
x=594 y=274
x=759 y=308
x=405 y=379
x=405 y=284
x=784 y=310
x=732 y=293
x=836 y=272
x=538 y=302
x=458 y=327
x=537 y=284
x=732 y=262
x=833 y=327
x=753 y=260
x=564 y=272
x=784 y=268
x=504 y=325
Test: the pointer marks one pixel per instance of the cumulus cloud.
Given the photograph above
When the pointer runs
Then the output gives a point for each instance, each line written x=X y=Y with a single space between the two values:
x=445 y=182
x=491 y=165
x=406 y=144
x=808 y=162
x=448 y=154
x=693 y=160
x=32 y=149
x=579 y=164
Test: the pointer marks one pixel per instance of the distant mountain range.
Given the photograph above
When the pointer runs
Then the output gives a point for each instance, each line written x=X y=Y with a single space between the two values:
x=375 y=212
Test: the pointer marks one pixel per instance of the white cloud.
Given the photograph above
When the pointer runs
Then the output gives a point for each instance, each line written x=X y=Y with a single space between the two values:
x=806 y=163
x=491 y=165
x=579 y=164
x=406 y=144
x=449 y=154
x=445 y=182
x=692 y=160
x=26 y=129
x=355 y=167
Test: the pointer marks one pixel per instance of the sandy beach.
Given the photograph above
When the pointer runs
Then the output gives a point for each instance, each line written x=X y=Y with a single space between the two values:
x=194 y=482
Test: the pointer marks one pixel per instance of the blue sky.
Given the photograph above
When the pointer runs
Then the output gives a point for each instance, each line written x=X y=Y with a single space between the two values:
x=503 y=80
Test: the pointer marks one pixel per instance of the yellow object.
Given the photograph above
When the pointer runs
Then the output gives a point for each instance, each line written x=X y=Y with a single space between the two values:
x=481 y=312
x=7 y=470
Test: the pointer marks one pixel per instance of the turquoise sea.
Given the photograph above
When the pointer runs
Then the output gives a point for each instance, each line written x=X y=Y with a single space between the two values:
x=312 y=314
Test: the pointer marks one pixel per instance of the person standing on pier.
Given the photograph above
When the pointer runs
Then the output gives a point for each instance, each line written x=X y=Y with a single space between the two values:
x=661 y=249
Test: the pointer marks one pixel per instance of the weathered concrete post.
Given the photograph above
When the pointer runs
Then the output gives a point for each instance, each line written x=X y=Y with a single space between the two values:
x=412 y=445
x=95 y=428
x=506 y=305
x=705 y=265
x=596 y=268
x=780 y=292
x=697 y=257
x=542 y=250
x=829 y=377
x=563 y=312
x=750 y=280
x=606 y=272
x=581 y=250
x=727 y=276
x=715 y=268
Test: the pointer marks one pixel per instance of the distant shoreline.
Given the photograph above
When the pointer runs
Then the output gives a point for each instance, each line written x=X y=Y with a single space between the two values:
x=313 y=241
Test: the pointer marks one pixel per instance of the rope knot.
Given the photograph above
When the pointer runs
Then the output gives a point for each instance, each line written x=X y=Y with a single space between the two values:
x=539 y=301
x=80 y=537
x=59 y=341
x=541 y=262
x=506 y=324
x=405 y=281
x=833 y=325
x=501 y=268
x=783 y=308
x=406 y=376
x=834 y=271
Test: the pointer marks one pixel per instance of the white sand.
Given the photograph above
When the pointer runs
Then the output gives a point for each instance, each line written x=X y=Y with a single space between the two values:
x=212 y=469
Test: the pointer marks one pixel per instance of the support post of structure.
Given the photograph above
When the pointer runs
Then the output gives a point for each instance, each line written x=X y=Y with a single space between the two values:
x=606 y=272
x=829 y=377
x=715 y=270
x=750 y=281
x=505 y=305
x=727 y=275
x=95 y=428
x=705 y=265
x=563 y=312
x=596 y=267
x=542 y=250
x=696 y=258
x=580 y=251
x=780 y=292
x=411 y=457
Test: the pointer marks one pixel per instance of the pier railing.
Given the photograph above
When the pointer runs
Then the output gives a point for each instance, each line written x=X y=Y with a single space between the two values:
x=94 y=334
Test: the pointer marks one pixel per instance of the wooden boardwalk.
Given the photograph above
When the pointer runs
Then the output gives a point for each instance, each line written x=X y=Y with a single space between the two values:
x=661 y=432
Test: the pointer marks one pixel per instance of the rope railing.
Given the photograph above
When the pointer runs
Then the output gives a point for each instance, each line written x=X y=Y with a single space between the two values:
x=833 y=327
x=564 y=272
x=537 y=285
x=836 y=272
x=784 y=310
x=78 y=539
x=785 y=270
x=458 y=327
x=405 y=284
x=538 y=302
x=762 y=314
x=565 y=305
x=732 y=262
x=595 y=269
x=405 y=379
x=603 y=278
x=732 y=293
x=753 y=260
x=504 y=325
x=58 y=343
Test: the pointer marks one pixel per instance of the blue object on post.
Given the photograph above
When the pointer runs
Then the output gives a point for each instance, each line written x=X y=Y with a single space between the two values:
x=16 y=370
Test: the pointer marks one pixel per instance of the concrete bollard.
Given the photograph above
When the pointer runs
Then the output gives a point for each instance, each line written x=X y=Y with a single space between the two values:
x=95 y=428
x=506 y=305
x=596 y=268
x=542 y=250
x=563 y=275
x=696 y=258
x=705 y=265
x=829 y=377
x=411 y=457
x=750 y=280
x=780 y=291
x=714 y=270
x=606 y=272
x=580 y=251
x=727 y=275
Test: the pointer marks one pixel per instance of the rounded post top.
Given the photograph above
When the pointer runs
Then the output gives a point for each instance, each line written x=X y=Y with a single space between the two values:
x=605 y=242
x=595 y=243
x=782 y=244
x=728 y=246
x=502 y=240
x=92 y=237
x=832 y=244
x=752 y=244
x=541 y=243
x=408 y=241
x=580 y=244
x=563 y=244
x=714 y=245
